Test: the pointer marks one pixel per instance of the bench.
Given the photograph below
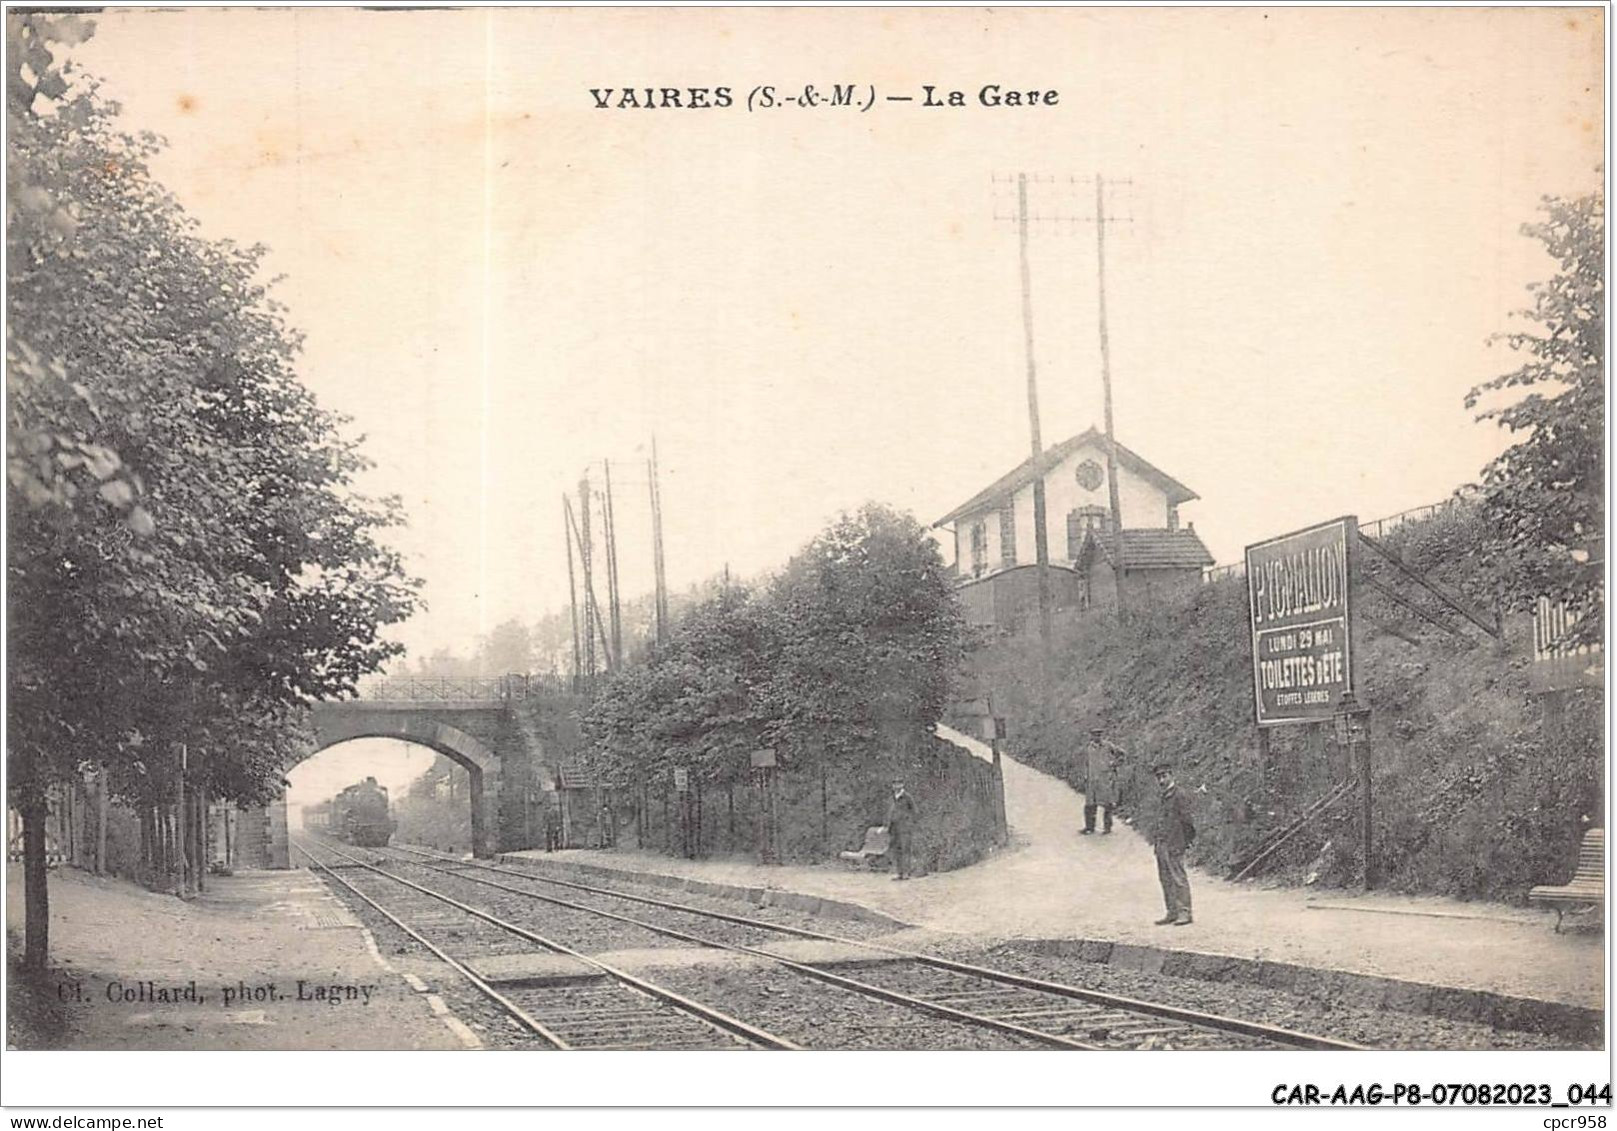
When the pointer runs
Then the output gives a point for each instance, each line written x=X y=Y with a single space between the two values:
x=1588 y=886
x=874 y=849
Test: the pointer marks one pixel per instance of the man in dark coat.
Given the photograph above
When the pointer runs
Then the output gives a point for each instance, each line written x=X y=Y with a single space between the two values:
x=1100 y=782
x=900 y=830
x=1173 y=834
x=551 y=822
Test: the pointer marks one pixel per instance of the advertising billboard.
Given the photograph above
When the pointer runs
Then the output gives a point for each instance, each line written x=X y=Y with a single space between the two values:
x=1302 y=648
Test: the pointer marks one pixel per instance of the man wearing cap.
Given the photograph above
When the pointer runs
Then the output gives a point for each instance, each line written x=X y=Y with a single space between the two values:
x=900 y=826
x=1100 y=782
x=1172 y=836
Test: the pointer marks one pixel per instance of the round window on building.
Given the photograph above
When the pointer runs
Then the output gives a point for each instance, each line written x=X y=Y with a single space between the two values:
x=1090 y=476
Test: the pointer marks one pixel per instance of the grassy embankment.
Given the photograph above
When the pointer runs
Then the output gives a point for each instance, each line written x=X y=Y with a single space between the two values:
x=1472 y=798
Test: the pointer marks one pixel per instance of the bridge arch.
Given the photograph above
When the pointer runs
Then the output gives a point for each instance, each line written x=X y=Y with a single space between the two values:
x=342 y=722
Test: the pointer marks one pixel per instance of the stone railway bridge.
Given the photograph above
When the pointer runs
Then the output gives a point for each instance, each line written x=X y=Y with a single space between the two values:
x=472 y=722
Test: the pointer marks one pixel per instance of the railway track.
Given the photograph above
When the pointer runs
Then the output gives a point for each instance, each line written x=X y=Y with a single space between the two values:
x=619 y=1011
x=1030 y=1010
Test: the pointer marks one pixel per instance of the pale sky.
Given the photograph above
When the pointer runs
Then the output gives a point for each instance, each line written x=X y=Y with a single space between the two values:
x=815 y=307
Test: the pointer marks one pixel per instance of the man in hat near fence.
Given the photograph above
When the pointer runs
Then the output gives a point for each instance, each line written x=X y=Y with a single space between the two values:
x=1100 y=782
x=1172 y=836
x=900 y=830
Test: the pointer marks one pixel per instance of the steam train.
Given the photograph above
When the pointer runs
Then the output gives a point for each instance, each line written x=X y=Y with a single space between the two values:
x=360 y=815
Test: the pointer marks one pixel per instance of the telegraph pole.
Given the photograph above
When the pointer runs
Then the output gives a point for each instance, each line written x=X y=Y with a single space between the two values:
x=1100 y=220
x=585 y=561
x=657 y=547
x=611 y=532
x=599 y=625
x=1119 y=554
x=572 y=594
x=1041 y=544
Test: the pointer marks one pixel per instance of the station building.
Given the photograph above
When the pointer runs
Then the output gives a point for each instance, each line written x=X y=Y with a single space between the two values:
x=995 y=539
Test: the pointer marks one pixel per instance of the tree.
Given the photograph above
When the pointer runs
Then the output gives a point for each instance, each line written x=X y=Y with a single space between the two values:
x=871 y=630
x=699 y=703
x=188 y=564
x=1544 y=495
x=506 y=650
x=848 y=654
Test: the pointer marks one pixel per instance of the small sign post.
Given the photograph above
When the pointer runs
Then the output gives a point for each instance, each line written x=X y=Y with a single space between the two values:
x=1353 y=731
x=994 y=730
x=763 y=773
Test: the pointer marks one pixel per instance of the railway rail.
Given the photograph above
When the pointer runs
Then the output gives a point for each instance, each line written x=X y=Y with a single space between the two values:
x=1031 y=1011
x=622 y=1011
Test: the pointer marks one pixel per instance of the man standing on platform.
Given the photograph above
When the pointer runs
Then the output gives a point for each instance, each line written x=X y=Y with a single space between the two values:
x=1173 y=835
x=552 y=824
x=1100 y=782
x=900 y=829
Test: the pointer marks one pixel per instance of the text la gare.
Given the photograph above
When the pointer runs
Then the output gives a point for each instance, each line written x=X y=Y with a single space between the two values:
x=992 y=94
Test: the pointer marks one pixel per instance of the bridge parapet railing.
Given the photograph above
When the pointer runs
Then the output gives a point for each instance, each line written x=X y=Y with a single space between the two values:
x=451 y=689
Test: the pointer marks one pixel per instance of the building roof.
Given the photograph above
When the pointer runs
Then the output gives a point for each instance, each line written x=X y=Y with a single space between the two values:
x=1029 y=469
x=1148 y=549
